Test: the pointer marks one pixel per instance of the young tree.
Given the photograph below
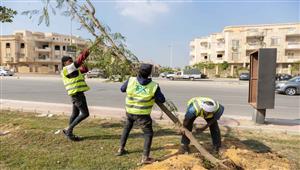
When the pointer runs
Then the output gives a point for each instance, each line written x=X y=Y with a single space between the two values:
x=7 y=14
x=110 y=47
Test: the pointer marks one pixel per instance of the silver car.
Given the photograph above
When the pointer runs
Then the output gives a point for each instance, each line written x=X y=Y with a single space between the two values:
x=290 y=87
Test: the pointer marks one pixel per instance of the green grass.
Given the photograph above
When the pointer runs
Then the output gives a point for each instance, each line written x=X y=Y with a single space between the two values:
x=32 y=143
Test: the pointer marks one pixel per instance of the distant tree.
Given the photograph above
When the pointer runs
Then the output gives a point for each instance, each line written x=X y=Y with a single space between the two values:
x=296 y=67
x=224 y=65
x=165 y=69
x=7 y=14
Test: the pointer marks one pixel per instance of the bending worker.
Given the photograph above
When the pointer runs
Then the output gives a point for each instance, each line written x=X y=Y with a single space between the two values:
x=211 y=111
x=142 y=92
x=76 y=86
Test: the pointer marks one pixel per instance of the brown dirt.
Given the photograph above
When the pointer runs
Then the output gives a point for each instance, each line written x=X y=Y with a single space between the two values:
x=243 y=158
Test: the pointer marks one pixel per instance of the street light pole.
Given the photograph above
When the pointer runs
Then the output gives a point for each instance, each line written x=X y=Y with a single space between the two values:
x=171 y=55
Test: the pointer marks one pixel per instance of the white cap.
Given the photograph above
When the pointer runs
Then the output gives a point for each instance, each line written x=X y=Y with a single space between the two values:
x=209 y=108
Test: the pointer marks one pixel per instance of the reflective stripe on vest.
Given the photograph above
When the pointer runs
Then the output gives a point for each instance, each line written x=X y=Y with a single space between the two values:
x=199 y=111
x=74 y=85
x=140 y=98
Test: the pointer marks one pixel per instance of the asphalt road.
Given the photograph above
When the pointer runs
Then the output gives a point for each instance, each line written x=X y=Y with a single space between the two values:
x=232 y=94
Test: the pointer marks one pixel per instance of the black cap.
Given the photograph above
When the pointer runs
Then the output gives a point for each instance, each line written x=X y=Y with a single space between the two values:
x=145 y=70
x=65 y=58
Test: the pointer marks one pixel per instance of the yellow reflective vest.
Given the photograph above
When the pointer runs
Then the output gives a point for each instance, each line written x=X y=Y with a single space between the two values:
x=199 y=110
x=140 y=98
x=75 y=84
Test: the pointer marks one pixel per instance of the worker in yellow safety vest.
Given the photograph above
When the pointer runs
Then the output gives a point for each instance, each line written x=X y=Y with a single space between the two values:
x=211 y=111
x=142 y=93
x=75 y=85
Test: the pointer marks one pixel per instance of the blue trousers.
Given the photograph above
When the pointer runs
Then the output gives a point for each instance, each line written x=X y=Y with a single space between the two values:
x=188 y=122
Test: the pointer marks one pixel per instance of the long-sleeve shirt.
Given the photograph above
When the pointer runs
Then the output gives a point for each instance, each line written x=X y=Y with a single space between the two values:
x=158 y=96
x=78 y=64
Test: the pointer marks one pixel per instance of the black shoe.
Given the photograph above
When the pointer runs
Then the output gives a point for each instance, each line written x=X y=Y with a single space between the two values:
x=121 y=152
x=71 y=136
x=183 y=149
x=215 y=150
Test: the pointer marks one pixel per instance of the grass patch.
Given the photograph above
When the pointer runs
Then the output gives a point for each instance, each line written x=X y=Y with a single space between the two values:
x=32 y=143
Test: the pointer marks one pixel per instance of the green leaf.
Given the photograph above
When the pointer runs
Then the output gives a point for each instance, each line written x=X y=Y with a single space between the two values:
x=41 y=19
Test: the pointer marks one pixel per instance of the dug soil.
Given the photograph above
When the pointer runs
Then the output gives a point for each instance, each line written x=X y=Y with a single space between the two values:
x=236 y=154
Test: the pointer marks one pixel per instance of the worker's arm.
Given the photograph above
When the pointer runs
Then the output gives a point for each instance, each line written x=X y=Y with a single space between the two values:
x=203 y=128
x=124 y=86
x=159 y=96
x=81 y=57
x=83 y=69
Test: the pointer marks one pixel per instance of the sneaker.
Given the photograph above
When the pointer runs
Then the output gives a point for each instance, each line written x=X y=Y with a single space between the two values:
x=183 y=149
x=121 y=152
x=71 y=136
x=147 y=160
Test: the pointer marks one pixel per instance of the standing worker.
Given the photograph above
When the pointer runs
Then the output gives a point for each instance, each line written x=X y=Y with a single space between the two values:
x=73 y=79
x=142 y=92
x=211 y=111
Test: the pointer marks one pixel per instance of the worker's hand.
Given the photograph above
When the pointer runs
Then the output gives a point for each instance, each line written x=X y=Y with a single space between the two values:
x=181 y=131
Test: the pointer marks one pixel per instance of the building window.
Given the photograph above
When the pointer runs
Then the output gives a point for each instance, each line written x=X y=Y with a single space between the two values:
x=205 y=57
x=64 y=48
x=53 y=38
x=235 y=43
x=44 y=65
x=57 y=47
x=274 y=41
x=7 y=45
x=219 y=55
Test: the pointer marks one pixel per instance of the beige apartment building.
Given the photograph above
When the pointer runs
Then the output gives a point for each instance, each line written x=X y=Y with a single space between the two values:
x=37 y=52
x=235 y=43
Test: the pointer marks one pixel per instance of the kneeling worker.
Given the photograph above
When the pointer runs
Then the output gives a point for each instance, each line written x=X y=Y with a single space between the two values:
x=211 y=111
x=142 y=93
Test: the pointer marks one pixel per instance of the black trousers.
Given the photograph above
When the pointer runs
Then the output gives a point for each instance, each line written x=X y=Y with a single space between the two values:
x=80 y=110
x=145 y=122
x=214 y=131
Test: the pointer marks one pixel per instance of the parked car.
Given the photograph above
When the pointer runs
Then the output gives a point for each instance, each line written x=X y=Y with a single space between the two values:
x=94 y=73
x=244 y=76
x=5 y=72
x=290 y=87
x=164 y=74
x=190 y=74
x=282 y=77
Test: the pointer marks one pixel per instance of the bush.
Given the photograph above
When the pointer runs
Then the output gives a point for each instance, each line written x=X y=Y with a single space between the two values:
x=224 y=65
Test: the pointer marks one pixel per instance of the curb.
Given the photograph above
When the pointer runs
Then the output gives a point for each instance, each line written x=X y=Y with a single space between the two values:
x=242 y=122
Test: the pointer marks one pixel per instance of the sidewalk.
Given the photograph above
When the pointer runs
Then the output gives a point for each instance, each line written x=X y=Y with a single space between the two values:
x=272 y=125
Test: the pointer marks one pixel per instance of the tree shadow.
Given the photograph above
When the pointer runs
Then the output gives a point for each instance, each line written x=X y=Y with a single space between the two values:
x=250 y=144
x=158 y=133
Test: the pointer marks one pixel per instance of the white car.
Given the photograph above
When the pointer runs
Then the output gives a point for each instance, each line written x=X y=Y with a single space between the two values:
x=4 y=72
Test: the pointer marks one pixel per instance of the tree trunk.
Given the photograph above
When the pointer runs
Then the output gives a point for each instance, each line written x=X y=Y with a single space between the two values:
x=193 y=140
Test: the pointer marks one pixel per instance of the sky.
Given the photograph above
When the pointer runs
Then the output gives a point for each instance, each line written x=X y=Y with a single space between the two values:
x=157 y=30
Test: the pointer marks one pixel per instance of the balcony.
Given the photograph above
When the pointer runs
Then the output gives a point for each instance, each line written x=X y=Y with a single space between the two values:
x=192 y=44
x=43 y=39
x=292 y=45
x=220 y=48
x=293 y=32
x=204 y=50
x=47 y=49
x=253 y=46
x=192 y=53
x=255 y=34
